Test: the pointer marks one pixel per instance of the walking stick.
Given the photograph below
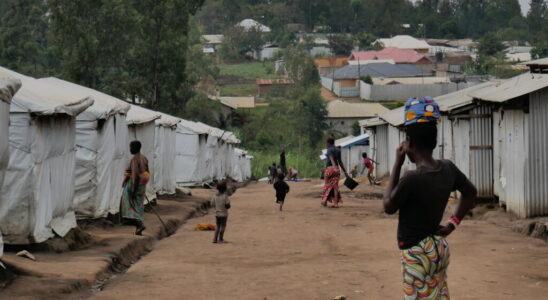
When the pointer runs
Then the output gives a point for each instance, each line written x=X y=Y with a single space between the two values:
x=156 y=213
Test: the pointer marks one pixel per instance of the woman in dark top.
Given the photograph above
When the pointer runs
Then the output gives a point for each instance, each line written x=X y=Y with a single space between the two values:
x=421 y=196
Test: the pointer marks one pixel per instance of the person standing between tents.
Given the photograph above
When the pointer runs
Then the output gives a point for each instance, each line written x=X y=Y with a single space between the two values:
x=283 y=166
x=136 y=178
x=421 y=196
x=369 y=164
x=332 y=175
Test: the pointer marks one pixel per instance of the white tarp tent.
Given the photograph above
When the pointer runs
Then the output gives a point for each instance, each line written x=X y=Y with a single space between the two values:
x=38 y=187
x=141 y=126
x=101 y=151
x=241 y=165
x=164 y=178
x=190 y=142
x=8 y=88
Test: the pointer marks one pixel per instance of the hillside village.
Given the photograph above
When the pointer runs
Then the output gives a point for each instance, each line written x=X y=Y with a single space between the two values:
x=343 y=142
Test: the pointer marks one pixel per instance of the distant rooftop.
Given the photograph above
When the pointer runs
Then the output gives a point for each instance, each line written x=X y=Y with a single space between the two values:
x=402 y=42
x=386 y=70
x=341 y=109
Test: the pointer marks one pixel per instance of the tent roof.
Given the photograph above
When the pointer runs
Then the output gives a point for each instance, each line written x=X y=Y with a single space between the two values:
x=341 y=109
x=41 y=98
x=512 y=88
x=8 y=88
x=167 y=120
x=139 y=115
x=103 y=106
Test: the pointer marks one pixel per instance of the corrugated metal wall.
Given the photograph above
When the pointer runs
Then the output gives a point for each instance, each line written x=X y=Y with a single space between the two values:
x=381 y=151
x=511 y=160
x=460 y=136
x=404 y=91
x=481 y=150
x=537 y=176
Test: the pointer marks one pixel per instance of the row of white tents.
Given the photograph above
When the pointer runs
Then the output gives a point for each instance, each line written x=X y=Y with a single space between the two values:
x=64 y=149
x=495 y=132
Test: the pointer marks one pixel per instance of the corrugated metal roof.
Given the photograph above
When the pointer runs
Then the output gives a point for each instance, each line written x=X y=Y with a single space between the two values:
x=377 y=70
x=542 y=61
x=8 y=88
x=411 y=80
x=273 y=81
x=341 y=109
x=372 y=122
x=104 y=105
x=213 y=38
x=403 y=42
x=44 y=99
x=512 y=88
x=236 y=102
x=330 y=62
x=398 y=55
x=461 y=98
x=346 y=142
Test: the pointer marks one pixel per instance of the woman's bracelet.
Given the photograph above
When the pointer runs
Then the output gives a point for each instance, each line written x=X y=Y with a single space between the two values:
x=455 y=221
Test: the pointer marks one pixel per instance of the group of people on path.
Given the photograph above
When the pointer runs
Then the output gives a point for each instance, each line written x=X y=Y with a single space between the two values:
x=420 y=196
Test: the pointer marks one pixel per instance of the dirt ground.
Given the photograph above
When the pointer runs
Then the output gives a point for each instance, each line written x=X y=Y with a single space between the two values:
x=311 y=252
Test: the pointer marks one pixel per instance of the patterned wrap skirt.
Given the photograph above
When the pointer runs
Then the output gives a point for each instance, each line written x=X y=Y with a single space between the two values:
x=331 y=191
x=134 y=208
x=425 y=269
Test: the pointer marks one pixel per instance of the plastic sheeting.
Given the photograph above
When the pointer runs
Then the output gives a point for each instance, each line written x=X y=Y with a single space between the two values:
x=101 y=151
x=38 y=187
x=8 y=88
x=164 y=178
x=188 y=166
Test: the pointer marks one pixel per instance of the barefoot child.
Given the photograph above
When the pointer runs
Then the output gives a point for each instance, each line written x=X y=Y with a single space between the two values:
x=368 y=164
x=282 y=188
x=221 y=204
x=421 y=196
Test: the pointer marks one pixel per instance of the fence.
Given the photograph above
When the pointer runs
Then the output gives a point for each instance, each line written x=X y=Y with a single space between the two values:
x=403 y=91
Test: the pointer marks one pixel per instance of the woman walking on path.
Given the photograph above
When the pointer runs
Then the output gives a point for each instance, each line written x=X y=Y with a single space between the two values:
x=136 y=178
x=332 y=174
x=421 y=196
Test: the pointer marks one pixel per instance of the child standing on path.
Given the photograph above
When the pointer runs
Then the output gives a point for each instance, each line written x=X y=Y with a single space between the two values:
x=421 y=196
x=221 y=204
x=282 y=188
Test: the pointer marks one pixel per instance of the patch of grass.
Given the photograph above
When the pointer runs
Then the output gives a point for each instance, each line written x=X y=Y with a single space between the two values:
x=249 y=71
x=239 y=90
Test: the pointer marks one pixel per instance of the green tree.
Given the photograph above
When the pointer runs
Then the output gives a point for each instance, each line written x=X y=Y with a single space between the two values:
x=365 y=40
x=356 y=129
x=490 y=45
x=200 y=108
x=238 y=42
x=312 y=116
x=341 y=45
x=24 y=46
x=300 y=67
x=540 y=51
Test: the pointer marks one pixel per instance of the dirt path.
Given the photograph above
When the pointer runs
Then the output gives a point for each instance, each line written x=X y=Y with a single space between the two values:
x=311 y=252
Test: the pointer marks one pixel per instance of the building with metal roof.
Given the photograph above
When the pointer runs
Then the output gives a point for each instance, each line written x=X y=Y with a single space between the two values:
x=385 y=70
x=342 y=115
x=403 y=42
